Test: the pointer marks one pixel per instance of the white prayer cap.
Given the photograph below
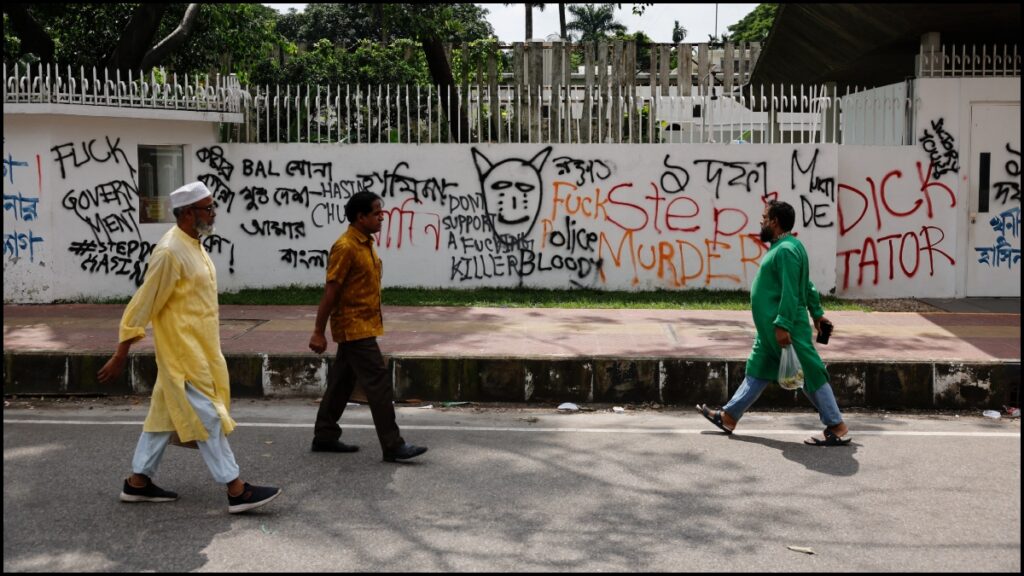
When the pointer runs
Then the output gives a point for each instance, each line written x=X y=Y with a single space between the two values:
x=189 y=194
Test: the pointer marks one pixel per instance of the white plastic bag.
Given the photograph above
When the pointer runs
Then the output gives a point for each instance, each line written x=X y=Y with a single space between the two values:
x=791 y=375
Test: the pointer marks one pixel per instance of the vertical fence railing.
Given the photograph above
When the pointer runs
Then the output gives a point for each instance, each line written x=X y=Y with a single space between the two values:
x=54 y=84
x=987 y=60
x=537 y=93
x=373 y=114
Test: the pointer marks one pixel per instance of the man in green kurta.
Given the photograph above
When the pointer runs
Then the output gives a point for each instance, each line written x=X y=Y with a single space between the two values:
x=780 y=297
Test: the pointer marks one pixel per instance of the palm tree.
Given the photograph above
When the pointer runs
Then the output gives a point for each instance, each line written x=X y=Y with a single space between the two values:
x=594 y=21
x=561 y=20
x=678 y=33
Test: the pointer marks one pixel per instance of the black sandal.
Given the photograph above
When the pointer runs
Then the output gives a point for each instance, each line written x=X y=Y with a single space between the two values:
x=715 y=418
x=830 y=440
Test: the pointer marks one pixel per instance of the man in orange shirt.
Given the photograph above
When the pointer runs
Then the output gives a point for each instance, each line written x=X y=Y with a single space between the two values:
x=352 y=301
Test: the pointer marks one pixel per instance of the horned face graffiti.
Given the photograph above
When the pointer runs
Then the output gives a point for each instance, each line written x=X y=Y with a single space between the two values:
x=512 y=193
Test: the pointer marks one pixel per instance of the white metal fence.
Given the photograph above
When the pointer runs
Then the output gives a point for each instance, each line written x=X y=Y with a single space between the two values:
x=489 y=113
x=969 y=61
x=51 y=84
x=530 y=114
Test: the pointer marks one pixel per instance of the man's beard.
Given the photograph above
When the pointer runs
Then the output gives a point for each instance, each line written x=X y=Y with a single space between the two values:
x=766 y=235
x=204 y=228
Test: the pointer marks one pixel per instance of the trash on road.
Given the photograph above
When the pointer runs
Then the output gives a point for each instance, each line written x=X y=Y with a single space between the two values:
x=1012 y=412
x=426 y=406
x=529 y=419
x=453 y=404
x=618 y=409
x=801 y=549
x=266 y=530
x=568 y=407
x=991 y=414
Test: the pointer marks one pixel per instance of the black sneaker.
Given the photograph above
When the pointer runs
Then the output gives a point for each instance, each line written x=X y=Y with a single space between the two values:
x=403 y=452
x=150 y=493
x=251 y=497
x=333 y=446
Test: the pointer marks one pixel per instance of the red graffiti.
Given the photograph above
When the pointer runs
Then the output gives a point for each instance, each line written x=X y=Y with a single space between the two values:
x=403 y=221
x=880 y=199
x=908 y=249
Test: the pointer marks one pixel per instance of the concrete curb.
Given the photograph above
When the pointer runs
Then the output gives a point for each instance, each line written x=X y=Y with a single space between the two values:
x=672 y=381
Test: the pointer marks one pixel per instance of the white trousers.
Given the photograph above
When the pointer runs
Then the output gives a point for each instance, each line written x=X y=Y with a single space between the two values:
x=215 y=450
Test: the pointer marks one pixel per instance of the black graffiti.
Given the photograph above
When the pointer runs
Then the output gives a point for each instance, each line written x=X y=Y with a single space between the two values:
x=532 y=262
x=308 y=258
x=512 y=192
x=390 y=183
x=288 y=196
x=573 y=237
x=341 y=190
x=814 y=213
x=214 y=156
x=257 y=168
x=215 y=244
x=826 y=186
x=273 y=228
x=463 y=223
x=87 y=153
x=87 y=204
x=483 y=266
x=117 y=257
x=140 y=249
x=745 y=173
x=586 y=170
x=308 y=169
x=941 y=149
x=1008 y=190
x=326 y=213
x=674 y=179
x=468 y=203
x=221 y=193
x=254 y=197
x=470 y=244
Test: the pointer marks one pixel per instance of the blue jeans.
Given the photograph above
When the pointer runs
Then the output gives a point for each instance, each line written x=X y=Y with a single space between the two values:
x=824 y=400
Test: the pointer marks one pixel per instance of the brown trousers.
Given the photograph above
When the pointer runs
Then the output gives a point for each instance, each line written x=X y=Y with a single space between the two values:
x=358 y=362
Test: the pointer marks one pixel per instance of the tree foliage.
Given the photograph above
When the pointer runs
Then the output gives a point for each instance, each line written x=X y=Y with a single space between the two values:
x=678 y=32
x=594 y=22
x=754 y=27
x=223 y=36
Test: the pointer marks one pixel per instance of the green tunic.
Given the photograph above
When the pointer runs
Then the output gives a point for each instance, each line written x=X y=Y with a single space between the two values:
x=780 y=296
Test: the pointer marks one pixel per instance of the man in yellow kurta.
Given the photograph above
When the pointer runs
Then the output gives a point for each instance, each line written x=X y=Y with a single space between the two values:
x=192 y=391
x=781 y=296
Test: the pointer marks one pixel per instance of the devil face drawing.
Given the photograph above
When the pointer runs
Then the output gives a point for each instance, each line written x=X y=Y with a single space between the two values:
x=512 y=193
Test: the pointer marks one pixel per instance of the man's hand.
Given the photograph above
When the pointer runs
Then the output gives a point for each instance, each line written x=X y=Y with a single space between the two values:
x=782 y=337
x=817 y=323
x=112 y=369
x=317 y=343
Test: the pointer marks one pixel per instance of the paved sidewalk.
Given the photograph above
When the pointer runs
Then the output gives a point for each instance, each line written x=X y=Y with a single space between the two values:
x=527 y=335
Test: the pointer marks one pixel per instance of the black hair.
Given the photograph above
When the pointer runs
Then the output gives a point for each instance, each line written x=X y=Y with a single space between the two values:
x=360 y=204
x=783 y=213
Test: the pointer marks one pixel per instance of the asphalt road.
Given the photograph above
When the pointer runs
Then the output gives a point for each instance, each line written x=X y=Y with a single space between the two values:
x=521 y=489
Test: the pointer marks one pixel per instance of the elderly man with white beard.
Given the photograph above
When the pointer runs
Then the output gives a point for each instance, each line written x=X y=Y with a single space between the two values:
x=192 y=393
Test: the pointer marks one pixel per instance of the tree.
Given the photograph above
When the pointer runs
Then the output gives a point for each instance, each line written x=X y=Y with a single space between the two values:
x=678 y=33
x=561 y=21
x=754 y=27
x=192 y=37
x=594 y=22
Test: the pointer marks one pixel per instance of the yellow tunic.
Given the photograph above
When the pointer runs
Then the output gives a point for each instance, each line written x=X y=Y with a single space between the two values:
x=179 y=296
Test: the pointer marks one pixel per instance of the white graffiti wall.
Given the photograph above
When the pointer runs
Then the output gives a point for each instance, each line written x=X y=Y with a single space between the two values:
x=877 y=221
